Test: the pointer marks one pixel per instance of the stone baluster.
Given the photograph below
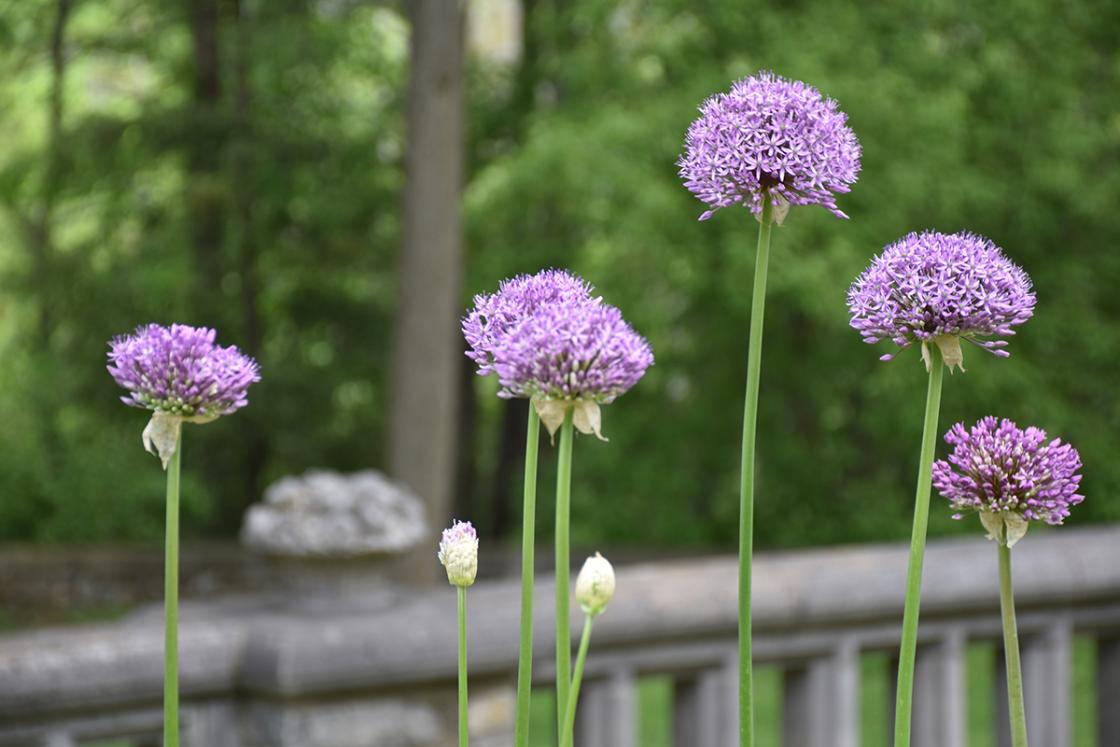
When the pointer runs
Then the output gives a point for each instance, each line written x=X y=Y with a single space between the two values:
x=706 y=707
x=59 y=739
x=607 y=715
x=820 y=707
x=939 y=693
x=1108 y=685
x=210 y=725
x=1047 y=686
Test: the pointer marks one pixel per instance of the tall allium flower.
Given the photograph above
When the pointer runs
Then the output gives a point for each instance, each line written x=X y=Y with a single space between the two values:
x=935 y=288
x=766 y=144
x=458 y=553
x=550 y=341
x=941 y=288
x=769 y=137
x=495 y=315
x=572 y=355
x=179 y=374
x=1009 y=476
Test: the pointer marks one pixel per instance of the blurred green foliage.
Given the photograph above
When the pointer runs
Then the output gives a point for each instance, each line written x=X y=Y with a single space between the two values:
x=269 y=209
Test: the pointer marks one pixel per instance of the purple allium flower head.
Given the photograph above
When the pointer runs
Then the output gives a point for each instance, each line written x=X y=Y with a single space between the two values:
x=999 y=468
x=180 y=371
x=494 y=314
x=458 y=553
x=941 y=287
x=769 y=135
x=572 y=351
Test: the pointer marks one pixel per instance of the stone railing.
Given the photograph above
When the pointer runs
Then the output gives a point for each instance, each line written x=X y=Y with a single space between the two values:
x=380 y=669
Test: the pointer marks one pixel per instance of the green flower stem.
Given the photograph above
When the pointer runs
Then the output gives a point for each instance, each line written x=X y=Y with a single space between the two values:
x=573 y=697
x=1015 y=706
x=746 y=487
x=171 y=604
x=563 y=564
x=528 y=528
x=464 y=728
x=904 y=695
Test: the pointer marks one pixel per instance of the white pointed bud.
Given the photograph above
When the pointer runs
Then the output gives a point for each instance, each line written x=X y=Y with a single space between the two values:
x=595 y=585
x=458 y=552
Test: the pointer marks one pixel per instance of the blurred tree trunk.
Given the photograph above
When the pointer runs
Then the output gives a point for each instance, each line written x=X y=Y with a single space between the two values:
x=245 y=180
x=205 y=148
x=505 y=510
x=465 y=487
x=42 y=228
x=426 y=349
x=505 y=479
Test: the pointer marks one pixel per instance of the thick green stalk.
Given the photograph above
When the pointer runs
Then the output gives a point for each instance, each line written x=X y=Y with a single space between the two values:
x=566 y=733
x=1016 y=709
x=746 y=486
x=171 y=604
x=904 y=695
x=563 y=564
x=528 y=528
x=464 y=727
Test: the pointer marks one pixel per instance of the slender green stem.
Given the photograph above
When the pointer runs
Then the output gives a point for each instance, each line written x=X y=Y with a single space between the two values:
x=573 y=696
x=746 y=486
x=528 y=528
x=904 y=695
x=1015 y=706
x=464 y=724
x=171 y=604
x=563 y=565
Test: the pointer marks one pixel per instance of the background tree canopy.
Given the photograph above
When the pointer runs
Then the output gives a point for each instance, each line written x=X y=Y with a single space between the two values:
x=238 y=163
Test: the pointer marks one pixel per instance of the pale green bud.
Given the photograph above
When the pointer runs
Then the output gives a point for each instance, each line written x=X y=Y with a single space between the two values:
x=595 y=585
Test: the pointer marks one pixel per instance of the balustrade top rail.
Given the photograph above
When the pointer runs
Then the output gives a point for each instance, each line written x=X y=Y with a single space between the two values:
x=268 y=649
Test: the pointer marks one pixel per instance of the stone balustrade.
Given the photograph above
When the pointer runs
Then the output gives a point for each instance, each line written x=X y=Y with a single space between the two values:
x=266 y=671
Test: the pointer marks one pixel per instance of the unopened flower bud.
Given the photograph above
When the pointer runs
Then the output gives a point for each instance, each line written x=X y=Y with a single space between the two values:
x=595 y=585
x=458 y=553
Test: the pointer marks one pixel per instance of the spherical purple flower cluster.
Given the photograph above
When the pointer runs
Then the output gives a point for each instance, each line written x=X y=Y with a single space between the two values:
x=547 y=338
x=180 y=371
x=1002 y=469
x=770 y=136
x=495 y=314
x=572 y=351
x=929 y=286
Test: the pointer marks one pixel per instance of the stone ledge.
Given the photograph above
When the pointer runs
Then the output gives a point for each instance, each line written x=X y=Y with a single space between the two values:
x=272 y=651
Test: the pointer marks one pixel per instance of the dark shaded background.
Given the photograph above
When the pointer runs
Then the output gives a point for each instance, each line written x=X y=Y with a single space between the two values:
x=240 y=163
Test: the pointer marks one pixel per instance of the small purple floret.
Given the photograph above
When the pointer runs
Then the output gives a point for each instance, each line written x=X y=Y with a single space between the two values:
x=999 y=468
x=458 y=531
x=930 y=284
x=180 y=371
x=578 y=350
x=769 y=135
x=494 y=315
